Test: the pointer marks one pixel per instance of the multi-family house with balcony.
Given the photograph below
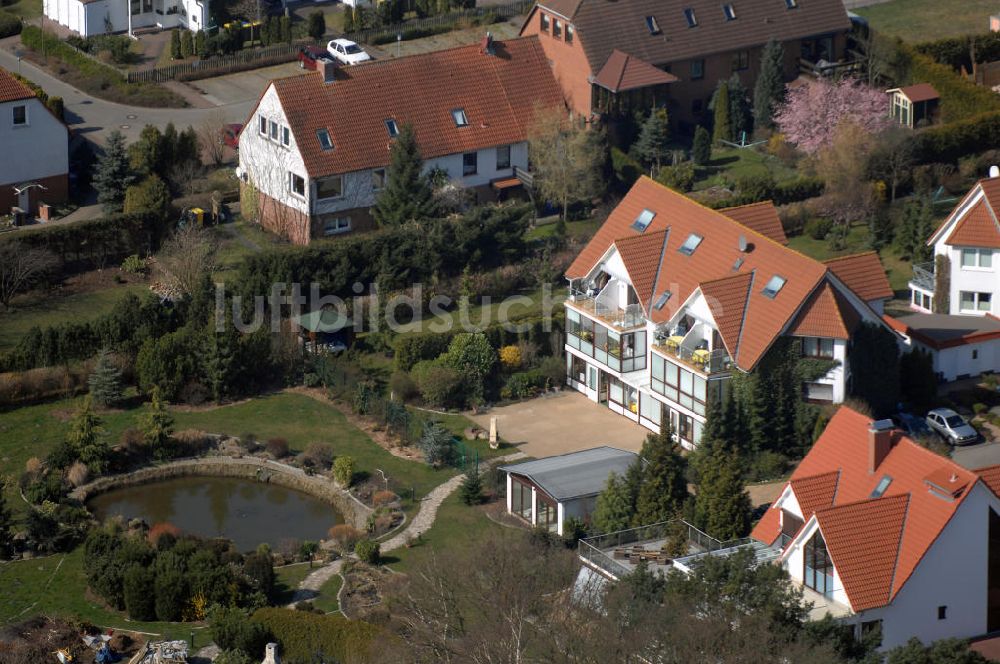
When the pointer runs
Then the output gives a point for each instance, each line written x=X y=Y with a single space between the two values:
x=316 y=147
x=874 y=529
x=670 y=299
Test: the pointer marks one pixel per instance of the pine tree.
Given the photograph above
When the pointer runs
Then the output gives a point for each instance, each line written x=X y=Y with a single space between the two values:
x=740 y=112
x=112 y=175
x=106 y=381
x=722 y=506
x=471 y=491
x=615 y=506
x=721 y=129
x=407 y=195
x=769 y=90
x=664 y=488
x=317 y=24
x=86 y=438
x=157 y=425
x=220 y=359
x=759 y=414
x=651 y=146
x=701 y=152
x=187 y=44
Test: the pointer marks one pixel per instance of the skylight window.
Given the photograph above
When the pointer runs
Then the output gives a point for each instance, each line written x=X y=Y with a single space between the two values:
x=690 y=17
x=738 y=264
x=642 y=222
x=662 y=300
x=791 y=4
x=392 y=128
x=690 y=244
x=881 y=487
x=324 y=139
x=654 y=27
x=458 y=115
x=774 y=286
x=730 y=12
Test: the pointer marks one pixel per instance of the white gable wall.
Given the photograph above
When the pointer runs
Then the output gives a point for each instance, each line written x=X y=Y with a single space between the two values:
x=41 y=147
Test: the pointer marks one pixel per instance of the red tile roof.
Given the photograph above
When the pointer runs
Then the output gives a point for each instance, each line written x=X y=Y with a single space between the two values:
x=12 y=89
x=642 y=255
x=626 y=72
x=816 y=492
x=990 y=475
x=863 y=274
x=977 y=228
x=864 y=534
x=500 y=94
x=827 y=314
x=761 y=217
x=920 y=92
x=727 y=300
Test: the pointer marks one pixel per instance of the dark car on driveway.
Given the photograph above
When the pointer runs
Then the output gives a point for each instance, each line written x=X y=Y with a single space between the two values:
x=311 y=56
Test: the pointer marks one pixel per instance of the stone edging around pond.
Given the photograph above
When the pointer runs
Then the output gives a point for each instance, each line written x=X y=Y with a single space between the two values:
x=354 y=511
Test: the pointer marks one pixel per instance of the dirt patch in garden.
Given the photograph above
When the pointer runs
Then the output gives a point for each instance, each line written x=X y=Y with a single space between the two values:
x=38 y=639
x=364 y=590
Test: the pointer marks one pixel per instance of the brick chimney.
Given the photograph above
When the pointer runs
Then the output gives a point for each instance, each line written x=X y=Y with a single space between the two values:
x=271 y=654
x=328 y=68
x=879 y=443
x=486 y=45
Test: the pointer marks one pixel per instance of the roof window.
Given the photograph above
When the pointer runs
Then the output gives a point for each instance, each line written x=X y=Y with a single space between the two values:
x=690 y=17
x=458 y=115
x=324 y=139
x=690 y=244
x=791 y=4
x=730 y=12
x=643 y=221
x=662 y=300
x=392 y=128
x=738 y=264
x=881 y=487
x=774 y=286
x=652 y=25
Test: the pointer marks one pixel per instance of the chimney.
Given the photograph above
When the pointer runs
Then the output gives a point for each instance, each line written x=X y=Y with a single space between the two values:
x=271 y=654
x=329 y=70
x=487 y=44
x=879 y=443
x=994 y=171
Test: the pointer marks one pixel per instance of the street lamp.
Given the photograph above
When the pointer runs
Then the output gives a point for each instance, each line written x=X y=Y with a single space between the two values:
x=384 y=478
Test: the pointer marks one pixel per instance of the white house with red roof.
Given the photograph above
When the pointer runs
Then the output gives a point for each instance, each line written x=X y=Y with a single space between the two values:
x=36 y=144
x=316 y=146
x=98 y=17
x=670 y=298
x=882 y=533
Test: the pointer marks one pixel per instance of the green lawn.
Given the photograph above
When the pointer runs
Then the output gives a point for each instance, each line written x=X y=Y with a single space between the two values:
x=287 y=580
x=326 y=601
x=926 y=20
x=898 y=269
x=51 y=309
x=25 y=8
x=483 y=316
x=731 y=164
x=583 y=229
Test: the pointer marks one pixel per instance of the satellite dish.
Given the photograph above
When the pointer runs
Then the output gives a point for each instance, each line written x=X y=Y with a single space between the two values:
x=743 y=243
x=994 y=171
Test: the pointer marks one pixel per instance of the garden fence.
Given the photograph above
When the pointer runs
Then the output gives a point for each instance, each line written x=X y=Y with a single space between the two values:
x=440 y=23
x=218 y=65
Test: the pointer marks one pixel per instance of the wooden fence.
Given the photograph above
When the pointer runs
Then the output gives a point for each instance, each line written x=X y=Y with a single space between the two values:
x=218 y=65
x=415 y=27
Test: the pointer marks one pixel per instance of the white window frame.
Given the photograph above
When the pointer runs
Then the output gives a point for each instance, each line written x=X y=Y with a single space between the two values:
x=262 y=125
x=978 y=255
x=320 y=197
x=341 y=225
x=459 y=117
x=272 y=132
x=291 y=185
x=978 y=299
x=286 y=136
x=13 y=119
x=475 y=169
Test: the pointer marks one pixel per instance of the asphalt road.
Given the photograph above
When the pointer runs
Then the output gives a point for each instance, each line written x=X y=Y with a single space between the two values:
x=94 y=118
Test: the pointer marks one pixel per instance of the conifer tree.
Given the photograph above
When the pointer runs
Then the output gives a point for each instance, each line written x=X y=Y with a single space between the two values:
x=220 y=359
x=86 y=437
x=740 y=112
x=651 y=146
x=722 y=506
x=471 y=491
x=175 y=44
x=769 y=90
x=157 y=426
x=721 y=128
x=615 y=506
x=317 y=24
x=664 y=486
x=759 y=413
x=349 y=25
x=407 y=195
x=112 y=175
x=106 y=381
x=701 y=151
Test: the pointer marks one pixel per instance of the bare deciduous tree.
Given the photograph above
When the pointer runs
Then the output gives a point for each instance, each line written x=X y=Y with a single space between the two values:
x=210 y=137
x=20 y=267
x=187 y=256
x=566 y=157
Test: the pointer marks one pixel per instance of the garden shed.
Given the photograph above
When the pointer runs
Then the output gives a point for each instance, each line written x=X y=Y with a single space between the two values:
x=914 y=105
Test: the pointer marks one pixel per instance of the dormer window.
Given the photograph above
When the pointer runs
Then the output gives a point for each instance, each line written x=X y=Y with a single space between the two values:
x=392 y=128
x=652 y=25
x=543 y=21
x=730 y=12
x=774 y=286
x=642 y=222
x=458 y=115
x=690 y=244
x=689 y=16
x=324 y=139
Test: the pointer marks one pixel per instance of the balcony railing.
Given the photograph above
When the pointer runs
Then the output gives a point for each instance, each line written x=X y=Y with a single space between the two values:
x=621 y=319
x=594 y=550
x=923 y=275
x=706 y=361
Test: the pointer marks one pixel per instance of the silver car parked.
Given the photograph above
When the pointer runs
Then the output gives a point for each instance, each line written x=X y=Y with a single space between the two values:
x=952 y=427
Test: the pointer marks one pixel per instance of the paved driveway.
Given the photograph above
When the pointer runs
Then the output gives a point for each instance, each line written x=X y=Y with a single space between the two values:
x=243 y=87
x=977 y=456
x=563 y=422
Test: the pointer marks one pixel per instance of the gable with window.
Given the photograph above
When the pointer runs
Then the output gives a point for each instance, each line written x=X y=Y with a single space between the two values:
x=296 y=184
x=263 y=125
x=818 y=569
x=817 y=347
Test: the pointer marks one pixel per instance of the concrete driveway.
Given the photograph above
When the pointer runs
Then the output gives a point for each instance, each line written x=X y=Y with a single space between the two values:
x=562 y=422
x=977 y=456
x=244 y=87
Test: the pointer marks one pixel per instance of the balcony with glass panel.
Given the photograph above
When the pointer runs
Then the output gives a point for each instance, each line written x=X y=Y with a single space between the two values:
x=691 y=344
x=609 y=305
x=620 y=351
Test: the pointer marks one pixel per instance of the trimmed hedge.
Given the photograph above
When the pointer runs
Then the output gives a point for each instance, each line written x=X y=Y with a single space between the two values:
x=302 y=634
x=950 y=142
x=10 y=25
x=960 y=97
x=782 y=193
x=955 y=51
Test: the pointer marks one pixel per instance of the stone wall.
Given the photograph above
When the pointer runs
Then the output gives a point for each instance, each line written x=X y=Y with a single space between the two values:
x=354 y=511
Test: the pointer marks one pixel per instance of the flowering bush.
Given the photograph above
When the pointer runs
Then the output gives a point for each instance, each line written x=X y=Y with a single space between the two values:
x=811 y=113
x=510 y=357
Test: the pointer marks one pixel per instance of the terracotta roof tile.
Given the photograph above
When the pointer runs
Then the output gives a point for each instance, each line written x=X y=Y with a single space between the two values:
x=920 y=92
x=863 y=274
x=863 y=539
x=761 y=217
x=626 y=72
x=978 y=228
x=12 y=89
x=848 y=525
x=827 y=314
x=499 y=93
x=816 y=492
x=768 y=528
x=642 y=255
x=727 y=300
x=991 y=477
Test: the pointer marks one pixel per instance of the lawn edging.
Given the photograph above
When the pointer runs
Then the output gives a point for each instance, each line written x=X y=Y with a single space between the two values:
x=262 y=470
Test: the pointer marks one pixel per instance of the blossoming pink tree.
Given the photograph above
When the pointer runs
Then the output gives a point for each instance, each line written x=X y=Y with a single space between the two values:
x=811 y=113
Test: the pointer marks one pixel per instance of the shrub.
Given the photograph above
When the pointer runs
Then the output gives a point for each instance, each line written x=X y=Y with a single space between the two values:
x=9 y=25
x=979 y=408
x=471 y=491
x=679 y=178
x=626 y=169
x=277 y=447
x=345 y=536
x=436 y=442
x=320 y=454
x=343 y=471
x=818 y=228
x=160 y=529
x=248 y=441
x=413 y=348
x=521 y=385
x=134 y=265
x=303 y=634
x=33 y=466
x=140 y=593
x=368 y=551
x=510 y=357
x=232 y=630
x=439 y=385
x=382 y=498
x=402 y=387
x=78 y=474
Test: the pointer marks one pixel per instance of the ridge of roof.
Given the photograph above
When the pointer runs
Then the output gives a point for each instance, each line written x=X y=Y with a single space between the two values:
x=761 y=217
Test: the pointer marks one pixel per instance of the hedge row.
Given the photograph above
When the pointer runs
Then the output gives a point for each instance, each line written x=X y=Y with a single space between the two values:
x=791 y=191
x=956 y=52
x=302 y=634
x=960 y=97
x=950 y=142
x=48 y=43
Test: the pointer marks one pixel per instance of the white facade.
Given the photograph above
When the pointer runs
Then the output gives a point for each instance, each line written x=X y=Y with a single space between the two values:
x=578 y=508
x=98 y=17
x=35 y=142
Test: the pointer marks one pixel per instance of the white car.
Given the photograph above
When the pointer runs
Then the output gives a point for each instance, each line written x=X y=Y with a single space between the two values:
x=348 y=52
